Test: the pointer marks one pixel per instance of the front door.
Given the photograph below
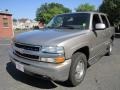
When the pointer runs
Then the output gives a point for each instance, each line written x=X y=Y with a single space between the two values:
x=98 y=37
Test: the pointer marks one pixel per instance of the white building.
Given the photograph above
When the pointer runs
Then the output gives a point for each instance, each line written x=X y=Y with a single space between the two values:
x=24 y=24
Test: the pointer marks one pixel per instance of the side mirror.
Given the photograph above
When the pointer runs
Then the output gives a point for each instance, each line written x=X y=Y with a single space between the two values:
x=100 y=26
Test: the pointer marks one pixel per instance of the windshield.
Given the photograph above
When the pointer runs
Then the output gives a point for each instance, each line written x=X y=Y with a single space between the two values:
x=70 y=21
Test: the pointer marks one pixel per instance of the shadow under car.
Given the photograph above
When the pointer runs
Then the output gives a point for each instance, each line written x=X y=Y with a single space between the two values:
x=27 y=79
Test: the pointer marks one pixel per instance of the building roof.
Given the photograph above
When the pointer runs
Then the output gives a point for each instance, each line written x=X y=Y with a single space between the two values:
x=5 y=13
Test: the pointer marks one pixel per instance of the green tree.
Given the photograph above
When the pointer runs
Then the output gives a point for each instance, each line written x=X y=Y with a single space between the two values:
x=85 y=7
x=112 y=8
x=47 y=11
x=14 y=20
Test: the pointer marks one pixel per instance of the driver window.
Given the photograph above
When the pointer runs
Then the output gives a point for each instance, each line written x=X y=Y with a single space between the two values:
x=96 y=20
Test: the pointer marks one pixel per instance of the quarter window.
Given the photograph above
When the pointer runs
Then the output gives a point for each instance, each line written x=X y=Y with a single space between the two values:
x=110 y=21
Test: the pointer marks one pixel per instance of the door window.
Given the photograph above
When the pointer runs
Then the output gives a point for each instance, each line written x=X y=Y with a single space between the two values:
x=96 y=20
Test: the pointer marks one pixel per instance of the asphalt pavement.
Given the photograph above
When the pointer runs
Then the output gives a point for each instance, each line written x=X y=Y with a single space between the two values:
x=103 y=75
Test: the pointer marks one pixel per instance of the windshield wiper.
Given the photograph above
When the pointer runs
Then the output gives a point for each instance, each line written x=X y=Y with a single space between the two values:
x=68 y=27
x=61 y=27
x=49 y=27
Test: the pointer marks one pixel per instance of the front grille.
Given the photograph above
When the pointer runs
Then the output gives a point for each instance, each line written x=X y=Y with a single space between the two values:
x=28 y=56
x=27 y=47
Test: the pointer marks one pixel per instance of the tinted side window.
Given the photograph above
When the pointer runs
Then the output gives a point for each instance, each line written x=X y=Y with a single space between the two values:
x=105 y=21
x=110 y=21
x=96 y=20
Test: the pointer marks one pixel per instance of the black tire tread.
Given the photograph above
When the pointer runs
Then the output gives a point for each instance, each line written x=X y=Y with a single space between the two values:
x=71 y=79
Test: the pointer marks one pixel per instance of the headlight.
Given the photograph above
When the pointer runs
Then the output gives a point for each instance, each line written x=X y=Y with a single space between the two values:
x=52 y=49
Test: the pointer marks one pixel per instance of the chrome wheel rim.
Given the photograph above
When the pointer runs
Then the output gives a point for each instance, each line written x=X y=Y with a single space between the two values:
x=79 y=70
x=110 y=49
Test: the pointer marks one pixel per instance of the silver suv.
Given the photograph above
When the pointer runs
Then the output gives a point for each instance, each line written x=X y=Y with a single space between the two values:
x=65 y=47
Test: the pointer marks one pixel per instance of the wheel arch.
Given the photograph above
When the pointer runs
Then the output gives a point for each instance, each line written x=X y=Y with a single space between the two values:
x=84 y=50
x=112 y=38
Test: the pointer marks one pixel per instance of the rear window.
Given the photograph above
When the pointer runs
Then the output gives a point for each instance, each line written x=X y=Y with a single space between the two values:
x=110 y=21
x=105 y=21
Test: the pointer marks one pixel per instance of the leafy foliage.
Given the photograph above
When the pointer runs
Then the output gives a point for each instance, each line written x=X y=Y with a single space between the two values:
x=47 y=11
x=14 y=20
x=85 y=7
x=112 y=8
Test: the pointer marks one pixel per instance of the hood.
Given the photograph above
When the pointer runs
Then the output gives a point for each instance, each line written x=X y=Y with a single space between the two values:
x=46 y=37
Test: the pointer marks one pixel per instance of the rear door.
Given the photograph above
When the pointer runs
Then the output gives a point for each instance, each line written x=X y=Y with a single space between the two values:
x=108 y=29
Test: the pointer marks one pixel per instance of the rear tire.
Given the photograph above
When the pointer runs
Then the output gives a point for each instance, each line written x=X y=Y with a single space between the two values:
x=110 y=49
x=78 y=68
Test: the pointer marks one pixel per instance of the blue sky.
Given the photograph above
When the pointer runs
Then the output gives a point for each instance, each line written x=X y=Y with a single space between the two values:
x=27 y=8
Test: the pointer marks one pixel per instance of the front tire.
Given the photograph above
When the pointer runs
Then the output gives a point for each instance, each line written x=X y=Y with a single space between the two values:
x=78 y=68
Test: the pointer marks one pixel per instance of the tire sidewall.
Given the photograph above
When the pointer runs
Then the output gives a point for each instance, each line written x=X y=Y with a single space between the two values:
x=75 y=59
x=110 y=47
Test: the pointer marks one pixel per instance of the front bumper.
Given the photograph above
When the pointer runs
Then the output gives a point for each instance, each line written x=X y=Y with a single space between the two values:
x=59 y=72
